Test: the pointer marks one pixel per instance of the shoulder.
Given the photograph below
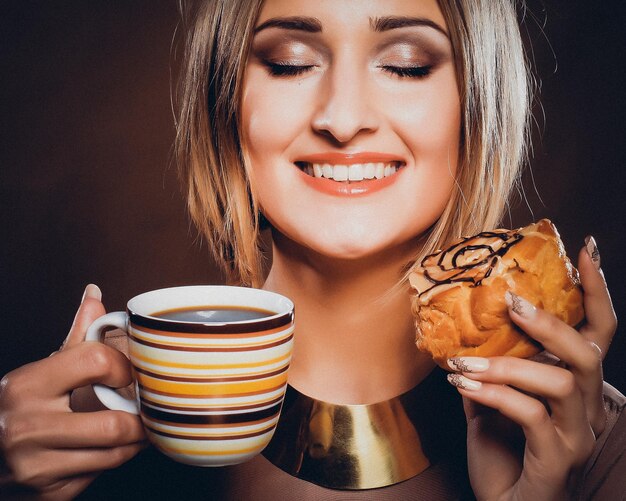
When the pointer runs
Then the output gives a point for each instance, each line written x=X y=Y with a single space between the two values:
x=605 y=475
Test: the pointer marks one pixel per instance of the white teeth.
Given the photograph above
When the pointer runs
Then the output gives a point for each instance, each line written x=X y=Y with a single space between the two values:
x=340 y=172
x=354 y=172
x=328 y=171
x=380 y=171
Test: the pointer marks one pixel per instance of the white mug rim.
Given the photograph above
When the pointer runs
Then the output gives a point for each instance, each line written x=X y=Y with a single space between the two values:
x=137 y=313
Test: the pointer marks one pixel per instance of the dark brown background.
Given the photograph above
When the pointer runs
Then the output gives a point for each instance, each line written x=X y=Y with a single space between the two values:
x=88 y=193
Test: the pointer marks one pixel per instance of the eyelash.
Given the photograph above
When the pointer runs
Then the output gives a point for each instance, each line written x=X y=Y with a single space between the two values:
x=286 y=70
x=291 y=70
x=410 y=71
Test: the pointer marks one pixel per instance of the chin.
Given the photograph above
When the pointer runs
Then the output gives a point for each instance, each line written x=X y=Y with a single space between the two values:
x=355 y=246
x=349 y=252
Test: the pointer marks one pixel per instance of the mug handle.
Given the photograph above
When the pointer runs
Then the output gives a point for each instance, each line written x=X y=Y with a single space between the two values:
x=109 y=397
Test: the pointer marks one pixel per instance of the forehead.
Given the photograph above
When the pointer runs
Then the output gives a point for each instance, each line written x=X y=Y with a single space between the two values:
x=346 y=14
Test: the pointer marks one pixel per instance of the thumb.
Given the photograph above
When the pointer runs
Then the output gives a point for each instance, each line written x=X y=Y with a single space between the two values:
x=484 y=423
x=474 y=410
x=90 y=308
x=494 y=450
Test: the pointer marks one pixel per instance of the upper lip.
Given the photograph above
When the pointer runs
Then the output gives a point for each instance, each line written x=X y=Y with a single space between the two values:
x=338 y=158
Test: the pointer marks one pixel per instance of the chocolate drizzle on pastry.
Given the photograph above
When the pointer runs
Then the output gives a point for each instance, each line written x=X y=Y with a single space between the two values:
x=487 y=249
x=454 y=317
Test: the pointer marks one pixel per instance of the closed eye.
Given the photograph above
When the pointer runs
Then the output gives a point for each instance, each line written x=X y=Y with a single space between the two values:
x=408 y=71
x=288 y=70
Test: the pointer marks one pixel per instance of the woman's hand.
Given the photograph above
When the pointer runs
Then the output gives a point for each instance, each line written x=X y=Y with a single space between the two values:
x=44 y=446
x=559 y=408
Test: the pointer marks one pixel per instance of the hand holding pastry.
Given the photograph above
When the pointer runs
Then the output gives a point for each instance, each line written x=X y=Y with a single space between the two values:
x=460 y=307
x=559 y=408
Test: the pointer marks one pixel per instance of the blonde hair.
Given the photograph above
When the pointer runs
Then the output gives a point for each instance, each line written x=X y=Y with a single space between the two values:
x=495 y=94
x=495 y=87
x=208 y=146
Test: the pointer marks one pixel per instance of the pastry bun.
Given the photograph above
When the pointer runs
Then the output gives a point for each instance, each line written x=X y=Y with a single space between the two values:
x=460 y=307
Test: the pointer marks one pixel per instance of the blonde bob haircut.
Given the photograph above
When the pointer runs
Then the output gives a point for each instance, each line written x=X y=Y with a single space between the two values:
x=494 y=86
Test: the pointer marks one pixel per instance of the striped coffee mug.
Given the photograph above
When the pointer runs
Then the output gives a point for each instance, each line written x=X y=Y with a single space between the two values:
x=209 y=389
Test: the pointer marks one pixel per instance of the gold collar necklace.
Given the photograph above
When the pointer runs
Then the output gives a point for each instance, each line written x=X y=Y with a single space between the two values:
x=354 y=446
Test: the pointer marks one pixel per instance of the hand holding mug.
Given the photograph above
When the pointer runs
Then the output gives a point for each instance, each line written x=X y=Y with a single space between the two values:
x=210 y=366
x=47 y=450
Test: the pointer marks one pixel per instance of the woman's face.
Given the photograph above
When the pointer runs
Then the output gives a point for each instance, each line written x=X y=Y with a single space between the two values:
x=351 y=121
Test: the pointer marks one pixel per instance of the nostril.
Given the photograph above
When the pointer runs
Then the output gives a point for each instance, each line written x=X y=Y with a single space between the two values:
x=341 y=124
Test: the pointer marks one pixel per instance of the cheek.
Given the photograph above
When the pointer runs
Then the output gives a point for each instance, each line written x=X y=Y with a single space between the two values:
x=429 y=121
x=270 y=119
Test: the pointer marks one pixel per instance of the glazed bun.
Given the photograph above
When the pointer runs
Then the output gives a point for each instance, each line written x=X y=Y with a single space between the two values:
x=460 y=307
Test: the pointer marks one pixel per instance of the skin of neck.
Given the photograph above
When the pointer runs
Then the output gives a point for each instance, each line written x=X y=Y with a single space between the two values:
x=355 y=334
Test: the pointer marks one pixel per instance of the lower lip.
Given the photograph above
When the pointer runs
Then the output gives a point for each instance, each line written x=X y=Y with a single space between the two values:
x=349 y=189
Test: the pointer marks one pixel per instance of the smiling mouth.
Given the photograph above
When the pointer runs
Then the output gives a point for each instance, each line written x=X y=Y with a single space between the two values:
x=351 y=173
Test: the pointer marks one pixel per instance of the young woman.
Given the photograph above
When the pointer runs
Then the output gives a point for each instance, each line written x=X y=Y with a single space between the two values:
x=366 y=134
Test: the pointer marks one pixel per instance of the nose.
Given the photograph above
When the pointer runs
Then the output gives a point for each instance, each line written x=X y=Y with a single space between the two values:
x=345 y=109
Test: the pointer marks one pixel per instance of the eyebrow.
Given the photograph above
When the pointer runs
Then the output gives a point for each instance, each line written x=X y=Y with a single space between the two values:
x=378 y=24
x=308 y=24
x=387 y=23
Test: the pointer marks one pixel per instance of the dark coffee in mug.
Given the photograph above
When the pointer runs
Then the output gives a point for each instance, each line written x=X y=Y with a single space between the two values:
x=217 y=314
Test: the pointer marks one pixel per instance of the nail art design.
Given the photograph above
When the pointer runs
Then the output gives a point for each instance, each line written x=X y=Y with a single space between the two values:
x=464 y=383
x=458 y=364
x=592 y=250
x=468 y=364
x=519 y=305
x=516 y=304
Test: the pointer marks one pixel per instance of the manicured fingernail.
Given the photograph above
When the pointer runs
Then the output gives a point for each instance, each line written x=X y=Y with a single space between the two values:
x=92 y=291
x=464 y=383
x=468 y=364
x=520 y=305
x=592 y=250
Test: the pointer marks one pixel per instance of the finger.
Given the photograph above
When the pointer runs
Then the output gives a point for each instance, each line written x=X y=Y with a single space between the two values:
x=90 y=308
x=492 y=439
x=56 y=430
x=541 y=435
x=44 y=468
x=581 y=356
x=86 y=363
x=558 y=386
x=601 y=321
x=556 y=336
x=68 y=488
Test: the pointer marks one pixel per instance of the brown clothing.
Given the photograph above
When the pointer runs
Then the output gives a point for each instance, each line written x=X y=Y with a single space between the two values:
x=153 y=476
x=605 y=474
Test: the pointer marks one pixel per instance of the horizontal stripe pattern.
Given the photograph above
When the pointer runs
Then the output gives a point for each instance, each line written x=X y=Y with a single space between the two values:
x=209 y=395
x=150 y=413
x=216 y=341
x=211 y=399
x=203 y=408
x=214 y=335
x=183 y=436
x=208 y=348
x=211 y=379
x=249 y=326
x=147 y=362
